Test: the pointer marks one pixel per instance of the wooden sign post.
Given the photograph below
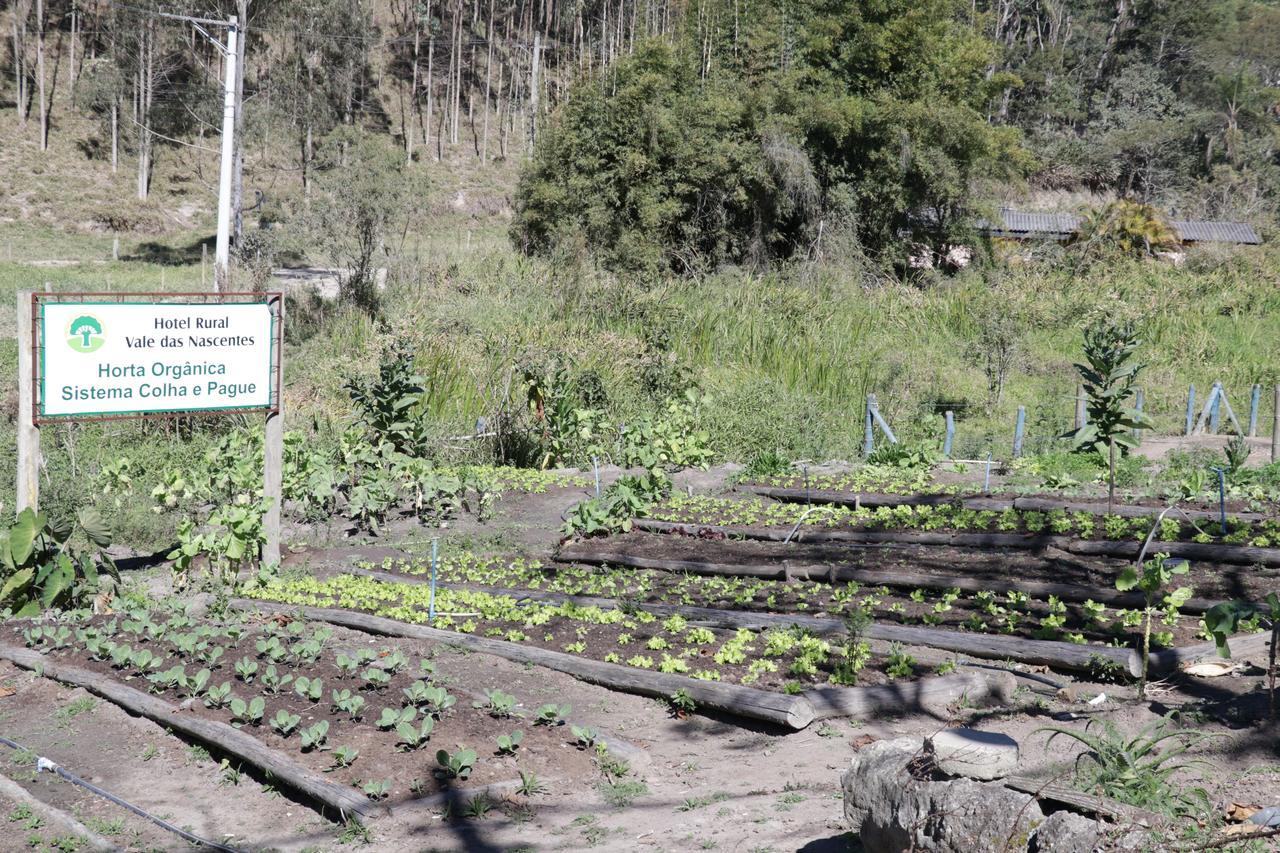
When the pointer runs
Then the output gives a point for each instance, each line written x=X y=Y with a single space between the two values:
x=114 y=356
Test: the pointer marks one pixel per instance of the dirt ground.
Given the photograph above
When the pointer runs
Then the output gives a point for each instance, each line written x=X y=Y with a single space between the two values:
x=701 y=783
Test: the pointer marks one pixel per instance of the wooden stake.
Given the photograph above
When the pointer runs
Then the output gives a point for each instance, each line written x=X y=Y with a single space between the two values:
x=28 y=489
x=1275 y=428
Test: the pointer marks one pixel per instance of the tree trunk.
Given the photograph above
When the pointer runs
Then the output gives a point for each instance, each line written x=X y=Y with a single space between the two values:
x=430 y=100
x=23 y=95
x=43 y=101
x=413 y=91
x=488 y=92
x=115 y=135
x=72 y=64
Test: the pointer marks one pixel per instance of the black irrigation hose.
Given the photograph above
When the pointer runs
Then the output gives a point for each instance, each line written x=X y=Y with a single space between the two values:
x=43 y=763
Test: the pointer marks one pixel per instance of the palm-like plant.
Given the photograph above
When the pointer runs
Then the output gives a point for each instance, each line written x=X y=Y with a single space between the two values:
x=1136 y=769
x=1127 y=227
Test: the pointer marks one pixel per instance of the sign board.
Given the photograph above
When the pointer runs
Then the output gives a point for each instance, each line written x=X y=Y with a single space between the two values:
x=115 y=358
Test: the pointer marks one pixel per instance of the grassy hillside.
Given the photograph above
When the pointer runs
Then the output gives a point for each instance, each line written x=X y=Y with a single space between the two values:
x=786 y=357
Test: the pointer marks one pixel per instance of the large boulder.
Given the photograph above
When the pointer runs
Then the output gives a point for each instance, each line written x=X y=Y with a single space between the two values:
x=973 y=753
x=893 y=804
x=895 y=799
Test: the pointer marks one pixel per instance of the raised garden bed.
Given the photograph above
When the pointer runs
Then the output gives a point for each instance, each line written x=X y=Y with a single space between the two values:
x=781 y=659
x=797 y=492
x=979 y=623
x=325 y=702
x=1257 y=532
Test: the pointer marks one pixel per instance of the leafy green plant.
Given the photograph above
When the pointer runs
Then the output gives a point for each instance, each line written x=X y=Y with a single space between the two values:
x=1226 y=618
x=1156 y=574
x=309 y=688
x=217 y=697
x=314 y=736
x=900 y=664
x=497 y=703
x=284 y=722
x=375 y=678
x=376 y=790
x=456 y=765
x=413 y=737
x=345 y=756
x=392 y=717
x=508 y=744
x=1109 y=379
x=392 y=406
x=246 y=669
x=552 y=715
x=586 y=736
x=42 y=569
x=682 y=704
x=248 y=713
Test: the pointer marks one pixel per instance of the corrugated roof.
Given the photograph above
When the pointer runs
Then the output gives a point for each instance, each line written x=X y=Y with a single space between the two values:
x=1060 y=226
x=1202 y=231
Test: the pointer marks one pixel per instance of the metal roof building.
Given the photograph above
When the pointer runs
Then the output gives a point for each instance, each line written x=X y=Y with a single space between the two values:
x=1019 y=225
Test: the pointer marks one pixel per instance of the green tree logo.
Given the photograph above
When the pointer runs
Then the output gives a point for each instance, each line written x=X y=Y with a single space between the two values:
x=85 y=334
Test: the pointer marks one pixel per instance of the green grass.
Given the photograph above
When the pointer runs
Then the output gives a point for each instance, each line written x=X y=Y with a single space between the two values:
x=787 y=356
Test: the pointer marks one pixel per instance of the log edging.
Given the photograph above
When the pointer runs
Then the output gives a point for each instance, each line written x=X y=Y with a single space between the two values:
x=227 y=739
x=791 y=711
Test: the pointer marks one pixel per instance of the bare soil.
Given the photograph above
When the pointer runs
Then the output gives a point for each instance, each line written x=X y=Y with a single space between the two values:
x=706 y=782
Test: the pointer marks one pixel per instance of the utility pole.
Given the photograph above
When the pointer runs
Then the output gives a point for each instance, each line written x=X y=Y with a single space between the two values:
x=222 y=247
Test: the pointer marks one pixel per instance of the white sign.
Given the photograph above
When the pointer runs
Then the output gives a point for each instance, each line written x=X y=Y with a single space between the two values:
x=111 y=358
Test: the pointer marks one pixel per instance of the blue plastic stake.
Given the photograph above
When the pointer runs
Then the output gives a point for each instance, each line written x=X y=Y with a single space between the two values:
x=868 y=442
x=1139 y=400
x=1222 y=498
x=595 y=466
x=1254 y=400
x=951 y=434
x=1018 y=428
x=1215 y=409
x=986 y=485
x=435 y=561
x=1191 y=408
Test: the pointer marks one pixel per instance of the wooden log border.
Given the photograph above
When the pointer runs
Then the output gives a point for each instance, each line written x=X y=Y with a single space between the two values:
x=245 y=747
x=1022 y=502
x=1048 y=652
x=793 y=712
x=1245 y=555
x=833 y=573
x=896 y=698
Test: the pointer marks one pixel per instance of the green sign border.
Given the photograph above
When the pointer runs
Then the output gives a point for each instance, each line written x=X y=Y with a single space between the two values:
x=272 y=404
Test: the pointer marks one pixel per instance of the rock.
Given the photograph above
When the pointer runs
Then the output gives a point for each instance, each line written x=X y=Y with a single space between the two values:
x=972 y=753
x=1067 y=832
x=892 y=810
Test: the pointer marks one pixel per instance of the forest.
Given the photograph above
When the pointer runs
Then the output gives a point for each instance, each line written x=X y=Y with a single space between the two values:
x=690 y=135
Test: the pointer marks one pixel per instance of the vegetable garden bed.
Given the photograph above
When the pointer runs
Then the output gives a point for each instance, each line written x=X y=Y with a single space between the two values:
x=1043 y=502
x=982 y=623
x=1258 y=532
x=781 y=659
x=369 y=715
